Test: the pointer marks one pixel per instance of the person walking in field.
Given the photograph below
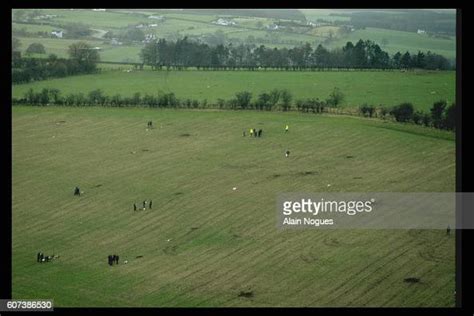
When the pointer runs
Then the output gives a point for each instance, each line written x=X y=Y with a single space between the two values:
x=243 y=133
x=110 y=260
x=38 y=257
x=77 y=191
x=255 y=132
x=144 y=205
x=149 y=205
x=260 y=132
x=287 y=154
x=286 y=128
x=251 y=132
x=134 y=206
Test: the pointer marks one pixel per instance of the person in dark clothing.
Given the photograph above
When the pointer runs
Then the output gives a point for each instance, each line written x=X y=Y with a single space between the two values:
x=110 y=260
x=243 y=133
x=134 y=206
x=144 y=205
x=38 y=257
x=255 y=132
x=116 y=259
x=260 y=132
x=41 y=257
x=149 y=205
x=77 y=191
x=287 y=153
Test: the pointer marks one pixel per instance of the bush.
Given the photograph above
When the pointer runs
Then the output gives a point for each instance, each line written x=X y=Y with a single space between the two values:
x=36 y=48
x=403 y=112
x=367 y=110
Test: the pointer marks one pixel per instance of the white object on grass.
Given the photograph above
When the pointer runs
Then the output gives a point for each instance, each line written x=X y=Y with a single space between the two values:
x=329 y=185
x=234 y=188
x=125 y=262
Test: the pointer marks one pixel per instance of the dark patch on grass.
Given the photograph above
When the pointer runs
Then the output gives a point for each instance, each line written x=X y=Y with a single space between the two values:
x=178 y=193
x=349 y=157
x=246 y=294
x=307 y=173
x=138 y=257
x=185 y=135
x=145 y=150
x=170 y=250
x=357 y=178
x=411 y=280
x=98 y=186
x=275 y=175
x=60 y=122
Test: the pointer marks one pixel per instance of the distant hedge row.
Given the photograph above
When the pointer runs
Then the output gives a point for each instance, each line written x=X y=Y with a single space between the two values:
x=440 y=116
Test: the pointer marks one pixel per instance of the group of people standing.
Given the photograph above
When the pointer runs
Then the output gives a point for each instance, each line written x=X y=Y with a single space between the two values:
x=113 y=259
x=40 y=257
x=254 y=132
x=144 y=204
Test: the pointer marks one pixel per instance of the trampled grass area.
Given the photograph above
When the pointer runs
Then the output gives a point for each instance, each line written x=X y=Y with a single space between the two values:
x=221 y=241
x=387 y=88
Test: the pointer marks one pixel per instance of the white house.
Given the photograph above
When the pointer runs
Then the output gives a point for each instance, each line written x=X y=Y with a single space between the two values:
x=58 y=34
x=421 y=31
x=222 y=21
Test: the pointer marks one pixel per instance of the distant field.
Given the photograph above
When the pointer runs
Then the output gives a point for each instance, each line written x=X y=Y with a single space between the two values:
x=178 y=24
x=402 y=41
x=387 y=88
x=203 y=242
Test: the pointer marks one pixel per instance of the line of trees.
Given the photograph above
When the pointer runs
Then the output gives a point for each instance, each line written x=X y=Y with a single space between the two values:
x=185 y=53
x=83 y=59
x=440 y=116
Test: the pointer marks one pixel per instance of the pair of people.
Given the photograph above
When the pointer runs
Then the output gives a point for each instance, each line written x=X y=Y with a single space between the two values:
x=113 y=259
x=77 y=191
x=144 y=205
x=254 y=132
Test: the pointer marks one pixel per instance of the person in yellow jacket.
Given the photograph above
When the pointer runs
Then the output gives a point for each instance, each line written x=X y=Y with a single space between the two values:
x=251 y=132
x=286 y=128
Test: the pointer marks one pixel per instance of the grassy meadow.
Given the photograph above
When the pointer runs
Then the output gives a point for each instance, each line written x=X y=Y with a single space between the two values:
x=422 y=88
x=203 y=243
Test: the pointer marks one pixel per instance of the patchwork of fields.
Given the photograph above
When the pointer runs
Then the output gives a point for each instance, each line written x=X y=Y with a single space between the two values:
x=178 y=24
x=376 y=88
x=203 y=243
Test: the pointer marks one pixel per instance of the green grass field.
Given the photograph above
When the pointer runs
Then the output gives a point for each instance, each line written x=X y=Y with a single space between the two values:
x=178 y=24
x=387 y=88
x=221 y=241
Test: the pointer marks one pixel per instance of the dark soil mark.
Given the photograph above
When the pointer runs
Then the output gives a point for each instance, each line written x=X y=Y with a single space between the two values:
x=138 y=257
x=145 y=150
x=411 y=280
x=275 y=176
x=178 y=193
x=170 y=250
x=60 y=122
x=247 y=294
x=349 y=157
x=308 y=258
x=357 y=178
x=307 y=173
x=185 y=135
x=98 y=186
